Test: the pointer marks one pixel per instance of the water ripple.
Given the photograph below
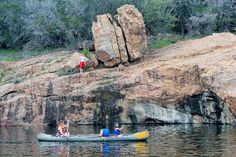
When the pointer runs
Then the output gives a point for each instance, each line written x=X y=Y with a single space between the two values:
x=167 y=140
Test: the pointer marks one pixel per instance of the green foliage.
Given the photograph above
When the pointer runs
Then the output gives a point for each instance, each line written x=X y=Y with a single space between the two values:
x=201 y=25
x=161 y=43
x=92 y=8
x=203 y=17
x=9 y=55
x=157 y=16
x=225 y=11
x=10 y=58
x=182 y=9
x=234 y=31
x=44 y=24
x=7 y=51
x=165 y=40
x=11 y=24
x=85 y=52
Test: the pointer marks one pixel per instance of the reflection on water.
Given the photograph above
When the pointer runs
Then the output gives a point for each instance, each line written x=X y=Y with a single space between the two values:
x=115 y=149
x=167 y=140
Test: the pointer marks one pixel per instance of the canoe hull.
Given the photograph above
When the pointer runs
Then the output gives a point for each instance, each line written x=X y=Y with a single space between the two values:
x=141 y=136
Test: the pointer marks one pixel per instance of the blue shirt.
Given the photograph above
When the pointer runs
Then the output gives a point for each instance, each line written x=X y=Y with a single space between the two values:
x=116 y=132
x=105 y=132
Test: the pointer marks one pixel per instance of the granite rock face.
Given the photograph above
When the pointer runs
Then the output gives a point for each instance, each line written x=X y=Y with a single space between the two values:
x=121 y=39
x=106 y=46
x=188 y=82
x=132 y=24
x=203 y=108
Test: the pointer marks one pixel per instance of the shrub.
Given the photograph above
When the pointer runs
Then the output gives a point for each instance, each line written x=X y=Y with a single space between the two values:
x=203 y=24
x=41 y=24
x=157 y=16
x=85 y=52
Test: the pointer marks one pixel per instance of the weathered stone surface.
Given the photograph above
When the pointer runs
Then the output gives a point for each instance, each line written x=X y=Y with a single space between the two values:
x=115 y=43
x=74 y=60
x=122 y=45
x=50 y=63
x=93 y=62
x=121 y=42
x=103 y=56
x=7 y=89
x=21 y=110
x=152 y=113
x=189 y=82
x=105 y=40
x=121 y=67
x=132 y=24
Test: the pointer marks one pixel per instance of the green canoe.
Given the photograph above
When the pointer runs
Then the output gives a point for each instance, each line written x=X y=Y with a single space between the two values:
x=140 y=136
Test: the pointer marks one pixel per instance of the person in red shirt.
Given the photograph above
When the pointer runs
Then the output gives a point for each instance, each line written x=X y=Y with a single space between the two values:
x=82 y=64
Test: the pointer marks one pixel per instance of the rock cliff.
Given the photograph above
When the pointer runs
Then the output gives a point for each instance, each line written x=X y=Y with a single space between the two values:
x=189 y=82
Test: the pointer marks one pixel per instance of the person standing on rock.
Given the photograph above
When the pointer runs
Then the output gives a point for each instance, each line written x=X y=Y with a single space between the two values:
x=82 y=64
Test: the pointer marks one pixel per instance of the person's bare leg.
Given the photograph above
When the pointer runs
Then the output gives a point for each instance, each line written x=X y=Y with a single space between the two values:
x=80 y=70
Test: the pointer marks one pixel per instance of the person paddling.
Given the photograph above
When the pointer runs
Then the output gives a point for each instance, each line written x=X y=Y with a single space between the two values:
x=117 y=130
x=61 y=129
x=104 y=132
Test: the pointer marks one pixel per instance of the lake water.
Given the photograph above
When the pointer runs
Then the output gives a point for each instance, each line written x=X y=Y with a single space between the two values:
x=166 y=140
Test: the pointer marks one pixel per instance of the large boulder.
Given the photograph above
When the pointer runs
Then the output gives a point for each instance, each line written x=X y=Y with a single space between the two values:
x=121 y=42
x=132 y=24
x=105 y=41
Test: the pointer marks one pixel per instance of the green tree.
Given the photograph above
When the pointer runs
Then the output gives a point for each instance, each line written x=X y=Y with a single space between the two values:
x=92 y=8
x=182 y=9
x=69 y=14
x=225 y=11
x=157 y=15
x=11 y=24
x=56 y=26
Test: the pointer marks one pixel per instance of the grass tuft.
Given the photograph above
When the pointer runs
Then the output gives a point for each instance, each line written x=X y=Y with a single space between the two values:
x=164 y=40
x=10 y=58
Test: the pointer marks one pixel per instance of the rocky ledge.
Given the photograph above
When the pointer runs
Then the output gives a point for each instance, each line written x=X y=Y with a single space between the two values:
x=189 y=82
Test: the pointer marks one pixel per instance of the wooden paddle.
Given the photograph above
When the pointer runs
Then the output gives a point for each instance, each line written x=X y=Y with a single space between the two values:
x=67 y=127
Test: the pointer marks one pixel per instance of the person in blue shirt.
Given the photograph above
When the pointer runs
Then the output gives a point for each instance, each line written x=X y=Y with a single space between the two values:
x=117 y=130
x=104 y=132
